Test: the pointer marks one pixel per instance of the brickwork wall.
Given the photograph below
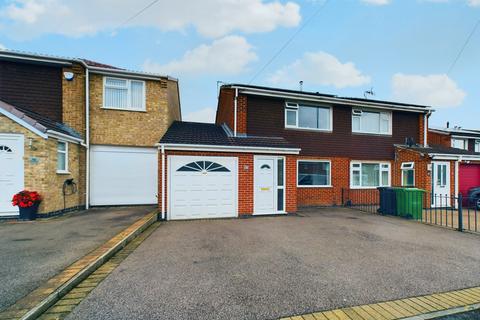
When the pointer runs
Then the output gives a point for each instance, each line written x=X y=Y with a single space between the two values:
x=40 y=166
x=421 y=128
x=439 y=139
x=242 y=114
x=73 y=99
x=245 y=179
x=130 y=128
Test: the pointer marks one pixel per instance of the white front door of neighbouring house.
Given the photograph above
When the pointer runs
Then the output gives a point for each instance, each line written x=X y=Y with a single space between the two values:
x=202 y=187
x=11 y=171
x=441 y=184
x=268 y=185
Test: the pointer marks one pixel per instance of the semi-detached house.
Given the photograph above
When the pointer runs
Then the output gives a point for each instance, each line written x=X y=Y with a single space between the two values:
x=273 y=150
x=65 y=118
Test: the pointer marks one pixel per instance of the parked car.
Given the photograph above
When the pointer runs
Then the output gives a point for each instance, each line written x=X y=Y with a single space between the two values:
x=474 y=197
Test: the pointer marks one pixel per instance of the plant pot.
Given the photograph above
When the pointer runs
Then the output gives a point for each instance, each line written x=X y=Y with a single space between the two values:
x=29 y=213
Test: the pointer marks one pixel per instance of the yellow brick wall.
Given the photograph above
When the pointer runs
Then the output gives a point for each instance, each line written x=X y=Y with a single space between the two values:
x=130 y=128
x=40 y=167
x=73 y=99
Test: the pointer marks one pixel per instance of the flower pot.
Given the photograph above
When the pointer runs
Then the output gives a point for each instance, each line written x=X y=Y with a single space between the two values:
x=29 y=213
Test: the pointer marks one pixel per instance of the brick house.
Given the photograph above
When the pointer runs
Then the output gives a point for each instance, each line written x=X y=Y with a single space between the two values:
x=326 y=145
x=65 y=118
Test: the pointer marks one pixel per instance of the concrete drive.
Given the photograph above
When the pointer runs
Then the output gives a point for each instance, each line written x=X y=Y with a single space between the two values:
x=33 y=252
x=272 y=267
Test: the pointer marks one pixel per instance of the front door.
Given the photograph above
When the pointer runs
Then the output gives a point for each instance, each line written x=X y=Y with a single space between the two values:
x=441 y=184
x=11 y=171
x=268 y=185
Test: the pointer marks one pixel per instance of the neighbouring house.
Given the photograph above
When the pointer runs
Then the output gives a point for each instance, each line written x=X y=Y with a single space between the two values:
x=273 y=150
x=65 y=118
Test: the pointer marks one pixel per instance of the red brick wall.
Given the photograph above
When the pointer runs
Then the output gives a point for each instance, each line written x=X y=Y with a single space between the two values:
x=439 y=139
x=225 y=107
x=423 y=179
x=242 y=114
x=245 y=179
x=421 y=128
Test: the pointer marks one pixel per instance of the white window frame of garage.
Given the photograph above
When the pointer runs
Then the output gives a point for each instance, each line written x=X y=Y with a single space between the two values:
x=383 y=167
x=65 y=153
x=318 y=161
x=128 y=87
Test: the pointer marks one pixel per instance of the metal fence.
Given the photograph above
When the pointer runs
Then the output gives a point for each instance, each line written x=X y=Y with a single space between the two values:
x=459 y=213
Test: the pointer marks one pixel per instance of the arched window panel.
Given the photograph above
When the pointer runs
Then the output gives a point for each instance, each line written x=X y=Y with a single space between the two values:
x=207 y=166
x=265 y=166
x=5 y=149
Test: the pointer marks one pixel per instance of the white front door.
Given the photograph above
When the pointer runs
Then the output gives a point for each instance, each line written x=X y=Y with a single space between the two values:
x=268 y=185
x=11 y=171
x=441 y=184
x=202 y=187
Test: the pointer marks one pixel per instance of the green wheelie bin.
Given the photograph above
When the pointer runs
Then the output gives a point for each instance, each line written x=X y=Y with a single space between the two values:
x=409 y=202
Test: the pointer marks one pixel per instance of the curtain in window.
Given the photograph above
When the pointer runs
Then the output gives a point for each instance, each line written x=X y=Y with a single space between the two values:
x=137 y=94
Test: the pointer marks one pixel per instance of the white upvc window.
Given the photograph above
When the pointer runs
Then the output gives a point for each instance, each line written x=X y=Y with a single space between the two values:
x=310 y=117
x=459 y=143
x=369 y=174
x=314 y=173
x=408 y=174
x=371 y=121
x=62 y=157
x=477 y=145
x=123 y=94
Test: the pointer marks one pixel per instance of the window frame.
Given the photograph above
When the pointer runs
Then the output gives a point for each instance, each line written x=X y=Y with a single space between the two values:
x=465 y=143
x=477 y=146
x=405 y=167
x=329 y=185
x=380 y=112
x=65 y=170
x=129 y=94
x=295 y=106
x=380 y=163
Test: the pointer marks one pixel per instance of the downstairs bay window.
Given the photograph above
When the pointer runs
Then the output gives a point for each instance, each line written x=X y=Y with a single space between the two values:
x=369 y=174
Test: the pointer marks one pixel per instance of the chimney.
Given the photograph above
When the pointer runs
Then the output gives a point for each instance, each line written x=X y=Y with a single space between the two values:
x=448 y=124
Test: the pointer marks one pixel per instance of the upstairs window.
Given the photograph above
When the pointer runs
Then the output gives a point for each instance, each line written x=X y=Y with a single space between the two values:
x=123 y=94
x=460 y=143
x=408 y=174
x=368 y=121
x=308 y=117
x=477 y=145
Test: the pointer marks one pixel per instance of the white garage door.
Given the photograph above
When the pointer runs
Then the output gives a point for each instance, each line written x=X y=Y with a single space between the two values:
x=11 y=171
x=123 y=175
x=202 y=187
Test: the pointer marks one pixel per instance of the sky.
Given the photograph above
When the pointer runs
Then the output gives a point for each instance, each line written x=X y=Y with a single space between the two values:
x=403 y=50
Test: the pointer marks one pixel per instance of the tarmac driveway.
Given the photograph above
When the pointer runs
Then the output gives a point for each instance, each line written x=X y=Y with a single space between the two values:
x=270 y=267
x=33 y=252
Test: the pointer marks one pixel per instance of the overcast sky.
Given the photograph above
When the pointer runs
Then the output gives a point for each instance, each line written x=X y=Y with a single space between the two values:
x=403 y=49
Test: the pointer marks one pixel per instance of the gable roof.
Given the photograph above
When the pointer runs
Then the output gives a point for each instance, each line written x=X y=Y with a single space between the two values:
x=328 y=98
x=36 y=122
x=209 y=134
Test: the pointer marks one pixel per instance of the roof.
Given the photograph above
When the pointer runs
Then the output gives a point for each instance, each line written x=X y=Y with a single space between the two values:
x=8 y=54
x=456 y=131
x=194 y=133
x=438 y=149
x=39 y=122
x=332 y=97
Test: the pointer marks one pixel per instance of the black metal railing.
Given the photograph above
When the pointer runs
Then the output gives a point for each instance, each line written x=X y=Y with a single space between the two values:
x=456 y=212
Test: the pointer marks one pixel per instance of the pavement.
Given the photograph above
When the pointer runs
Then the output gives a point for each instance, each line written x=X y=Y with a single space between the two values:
x=273 y=267
x=33 y=252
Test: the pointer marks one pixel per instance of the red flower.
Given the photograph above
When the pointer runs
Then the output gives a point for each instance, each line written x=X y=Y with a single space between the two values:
x=26 y=198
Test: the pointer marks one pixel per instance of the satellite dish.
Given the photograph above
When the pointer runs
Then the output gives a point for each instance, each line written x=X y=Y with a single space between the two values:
x=68 y=76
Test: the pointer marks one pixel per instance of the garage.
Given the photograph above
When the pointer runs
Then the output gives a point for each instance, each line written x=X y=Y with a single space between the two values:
x=469 y=177
x=123 y=175
x=202 y=187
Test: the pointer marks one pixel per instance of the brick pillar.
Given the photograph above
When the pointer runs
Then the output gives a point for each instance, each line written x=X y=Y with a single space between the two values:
x=242 y=114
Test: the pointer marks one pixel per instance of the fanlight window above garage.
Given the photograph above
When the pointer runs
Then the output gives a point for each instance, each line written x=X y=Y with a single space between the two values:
x=207 y=166
x=5 y=149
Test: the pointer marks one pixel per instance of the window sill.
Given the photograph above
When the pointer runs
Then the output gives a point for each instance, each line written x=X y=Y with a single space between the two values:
x=120 y=109
x=372 y=134
x=327 y=186
x=368 y=188
x=309 y=129
x=63 y=172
